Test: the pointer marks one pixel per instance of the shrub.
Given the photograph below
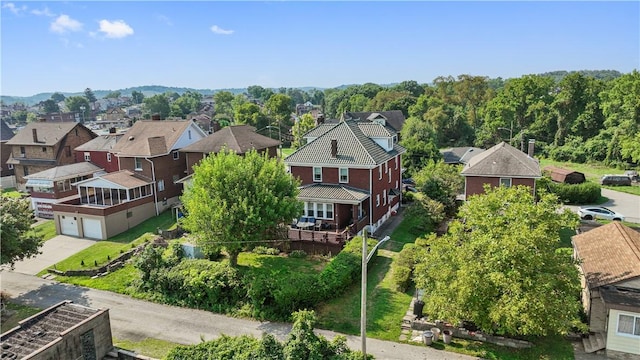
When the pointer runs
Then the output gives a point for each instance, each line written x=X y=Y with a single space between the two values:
x=585 y=193
x=401 y=276
x=298 y=254
x=343 y=270
x=273 y=251
x=260 y=250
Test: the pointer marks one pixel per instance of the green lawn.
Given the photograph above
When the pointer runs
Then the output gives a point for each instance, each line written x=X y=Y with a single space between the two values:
x=117 y=281
x=16 y=313
x=267 y=264
x=99 y=253
x=11 y=192
x=593 y=172
x=154 y=348
x=287 y=151
x=46 y=229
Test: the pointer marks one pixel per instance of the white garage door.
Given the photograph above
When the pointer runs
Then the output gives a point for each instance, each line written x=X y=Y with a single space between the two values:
x=92 y=228
x=69 y=225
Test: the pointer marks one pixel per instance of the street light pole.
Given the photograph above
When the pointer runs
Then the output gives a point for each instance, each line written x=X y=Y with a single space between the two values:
x=363 y=297
x=82 y=107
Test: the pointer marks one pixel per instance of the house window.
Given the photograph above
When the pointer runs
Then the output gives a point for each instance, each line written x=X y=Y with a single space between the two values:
x=384 y=197
x=25 y=169
x=176 y=178
x=189 y=134
x=87 y=156
x=317 y=174
x=160 y=185
x=629 y=325
x=389 y=175
x=380 y=172
x=377 y=200
x=108 y=157
x=344 y=175
x=22 y=151
x=10 y=166
x=506 y=182
x=176 y=155
x=44 y=149
x=138 y=165
x=318 y=210
x=329 y=212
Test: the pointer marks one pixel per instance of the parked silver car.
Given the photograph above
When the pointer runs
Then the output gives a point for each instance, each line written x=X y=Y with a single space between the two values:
x=599 y=212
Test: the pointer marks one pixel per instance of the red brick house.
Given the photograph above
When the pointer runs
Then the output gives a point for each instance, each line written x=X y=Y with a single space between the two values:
x=501 y=165
x=99 y=151
x=56 y=184
x=350 y=173
x=145 y=185
x=40 y=146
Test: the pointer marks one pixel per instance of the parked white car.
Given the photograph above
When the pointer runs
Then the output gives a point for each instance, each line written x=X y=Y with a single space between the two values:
x=599 y=212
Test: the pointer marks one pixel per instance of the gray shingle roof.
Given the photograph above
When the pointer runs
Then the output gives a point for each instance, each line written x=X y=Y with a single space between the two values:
x=5 y=131
x=502 y=160
x=332 y=193
x=354 y=148
x=122 y=178
x=459 y=155
x=375 y=130
x=136 y=140
x=101 y=143
x=48 y=134
x=239 y=138
x=66 y=171
x=394 y=118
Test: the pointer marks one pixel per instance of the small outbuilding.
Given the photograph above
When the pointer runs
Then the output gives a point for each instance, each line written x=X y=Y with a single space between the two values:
x=566 y=176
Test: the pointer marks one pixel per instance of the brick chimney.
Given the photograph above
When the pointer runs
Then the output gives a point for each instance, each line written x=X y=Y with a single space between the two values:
x=155 y=117
x=112 y=130
x=35 y=135
x=532 y=143
x=334 y=148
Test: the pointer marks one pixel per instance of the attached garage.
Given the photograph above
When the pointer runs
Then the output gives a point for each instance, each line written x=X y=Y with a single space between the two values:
x=69 y=225
x=92 y=228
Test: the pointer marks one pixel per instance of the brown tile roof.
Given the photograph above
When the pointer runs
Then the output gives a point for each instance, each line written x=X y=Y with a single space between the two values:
x=502 y=160
x=239 y=138
x=142 y=139
x=48 y=134
x=609 y=254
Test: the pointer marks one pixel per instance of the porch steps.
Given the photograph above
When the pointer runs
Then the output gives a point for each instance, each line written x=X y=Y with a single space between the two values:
x=594 y=342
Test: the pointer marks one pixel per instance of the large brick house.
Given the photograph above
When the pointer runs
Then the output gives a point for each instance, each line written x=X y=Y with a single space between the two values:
x=40 y=146
x=99 y=151
x=350 y=174
x=145 y=185
x=609 y=258
x=501 y=165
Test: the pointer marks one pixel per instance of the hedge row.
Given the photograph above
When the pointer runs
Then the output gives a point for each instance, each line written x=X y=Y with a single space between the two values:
x=574 y=194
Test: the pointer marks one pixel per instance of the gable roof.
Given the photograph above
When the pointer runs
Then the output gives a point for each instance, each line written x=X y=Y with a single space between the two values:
x=239 y=138
x=66 y=171
x=332 y=193
x=151 y=137
x=609 y=254
x=394 y=118
x=502 y=160
x=460 y=155
x=354 y=148
x=48 y=134
x=5 y=131
x=101 y=143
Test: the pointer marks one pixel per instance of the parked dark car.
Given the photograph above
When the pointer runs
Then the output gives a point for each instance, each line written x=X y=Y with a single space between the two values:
x=615 y=180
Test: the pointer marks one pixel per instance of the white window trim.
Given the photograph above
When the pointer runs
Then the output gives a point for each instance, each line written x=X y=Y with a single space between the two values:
x=10 y=166
x=314 y=210
x=377 y=200
x=510 y=182
x=384 y=197
x=176 y=155
x=340 y=175
x=314 y=174
x=397 y=156
x=389 y=174
x=108 y=157
x=632 y=330
x=135 y=164
x=87 y=156
x=380 y=172
x=160 y=185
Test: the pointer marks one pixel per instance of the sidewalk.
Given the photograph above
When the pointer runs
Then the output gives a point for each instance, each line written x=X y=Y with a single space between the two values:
x=390 y=225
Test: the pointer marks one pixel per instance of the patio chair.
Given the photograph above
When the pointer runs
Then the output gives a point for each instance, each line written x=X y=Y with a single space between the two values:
x=318 y=225
x=294 y=223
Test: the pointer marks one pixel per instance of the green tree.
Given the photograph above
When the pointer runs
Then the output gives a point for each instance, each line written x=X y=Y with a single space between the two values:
x=31 y=117
x=113 y=95
x=419 y=140
x=250 y=114
x=75 y=103
x=500 y=266
x=57 y=97
x=305 y=123
x=157 y=104
x=441 y=182
x=19 y=241
x=222 y=102
x=279 y=108
x=49 y=106
x=236 y=201
x=91 y=98
x=137 y=97
x=187 y=103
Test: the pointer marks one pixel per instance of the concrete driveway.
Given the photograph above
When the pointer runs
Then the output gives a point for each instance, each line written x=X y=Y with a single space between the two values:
x=626 y=204
x=53 y=250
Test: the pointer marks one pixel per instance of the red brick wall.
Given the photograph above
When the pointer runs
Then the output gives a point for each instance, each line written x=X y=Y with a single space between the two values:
x=99 y=158
x=475 y=184
x=165 y=168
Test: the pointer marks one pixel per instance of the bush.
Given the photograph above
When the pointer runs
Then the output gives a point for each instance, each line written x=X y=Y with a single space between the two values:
x=343 y=270
x=298 y=254
x=585 y=193
x=263 y=250
x=401 y=276
x=273 y=251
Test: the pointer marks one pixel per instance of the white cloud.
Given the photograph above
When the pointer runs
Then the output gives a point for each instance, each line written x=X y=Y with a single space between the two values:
x=115 y=29
x=218 y=30
x=15 y=9
x=64 y=23
x=43 y=12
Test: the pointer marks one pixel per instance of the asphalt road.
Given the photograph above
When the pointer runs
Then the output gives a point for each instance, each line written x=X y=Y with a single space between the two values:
x=135 y=320
x=626 y=204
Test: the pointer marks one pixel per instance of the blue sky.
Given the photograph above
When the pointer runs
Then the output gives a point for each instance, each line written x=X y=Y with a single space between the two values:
x=107 y=45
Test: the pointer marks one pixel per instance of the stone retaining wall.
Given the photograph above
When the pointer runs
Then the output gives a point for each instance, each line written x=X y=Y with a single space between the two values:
x=112 y=265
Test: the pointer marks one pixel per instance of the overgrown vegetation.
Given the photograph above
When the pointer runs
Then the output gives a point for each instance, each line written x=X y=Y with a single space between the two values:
x=573 y=194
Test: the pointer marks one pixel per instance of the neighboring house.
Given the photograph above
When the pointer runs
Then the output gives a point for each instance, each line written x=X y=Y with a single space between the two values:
x=99 y=151
x=392 y=118
x=350 y=174
x=5 y=150
x=238 y=138
x=204 y=121
x=61 y=117
x=459 y=155
x=565 y=176
x=145 y=186
x=501 y=165
x=40 y=146
x=54 y=185
x=62 y=331
x=609 y=258
x=114 y=114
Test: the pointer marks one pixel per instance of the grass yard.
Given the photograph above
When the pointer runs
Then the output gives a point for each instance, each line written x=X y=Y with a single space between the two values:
x=593 y=172
x=117 y=281
x=11 y=192
x=286 y=151
x=46 y=229
x=546 y=348
x=15 y=314
x=154 y=348
x=267 y=264
x=100 y=252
